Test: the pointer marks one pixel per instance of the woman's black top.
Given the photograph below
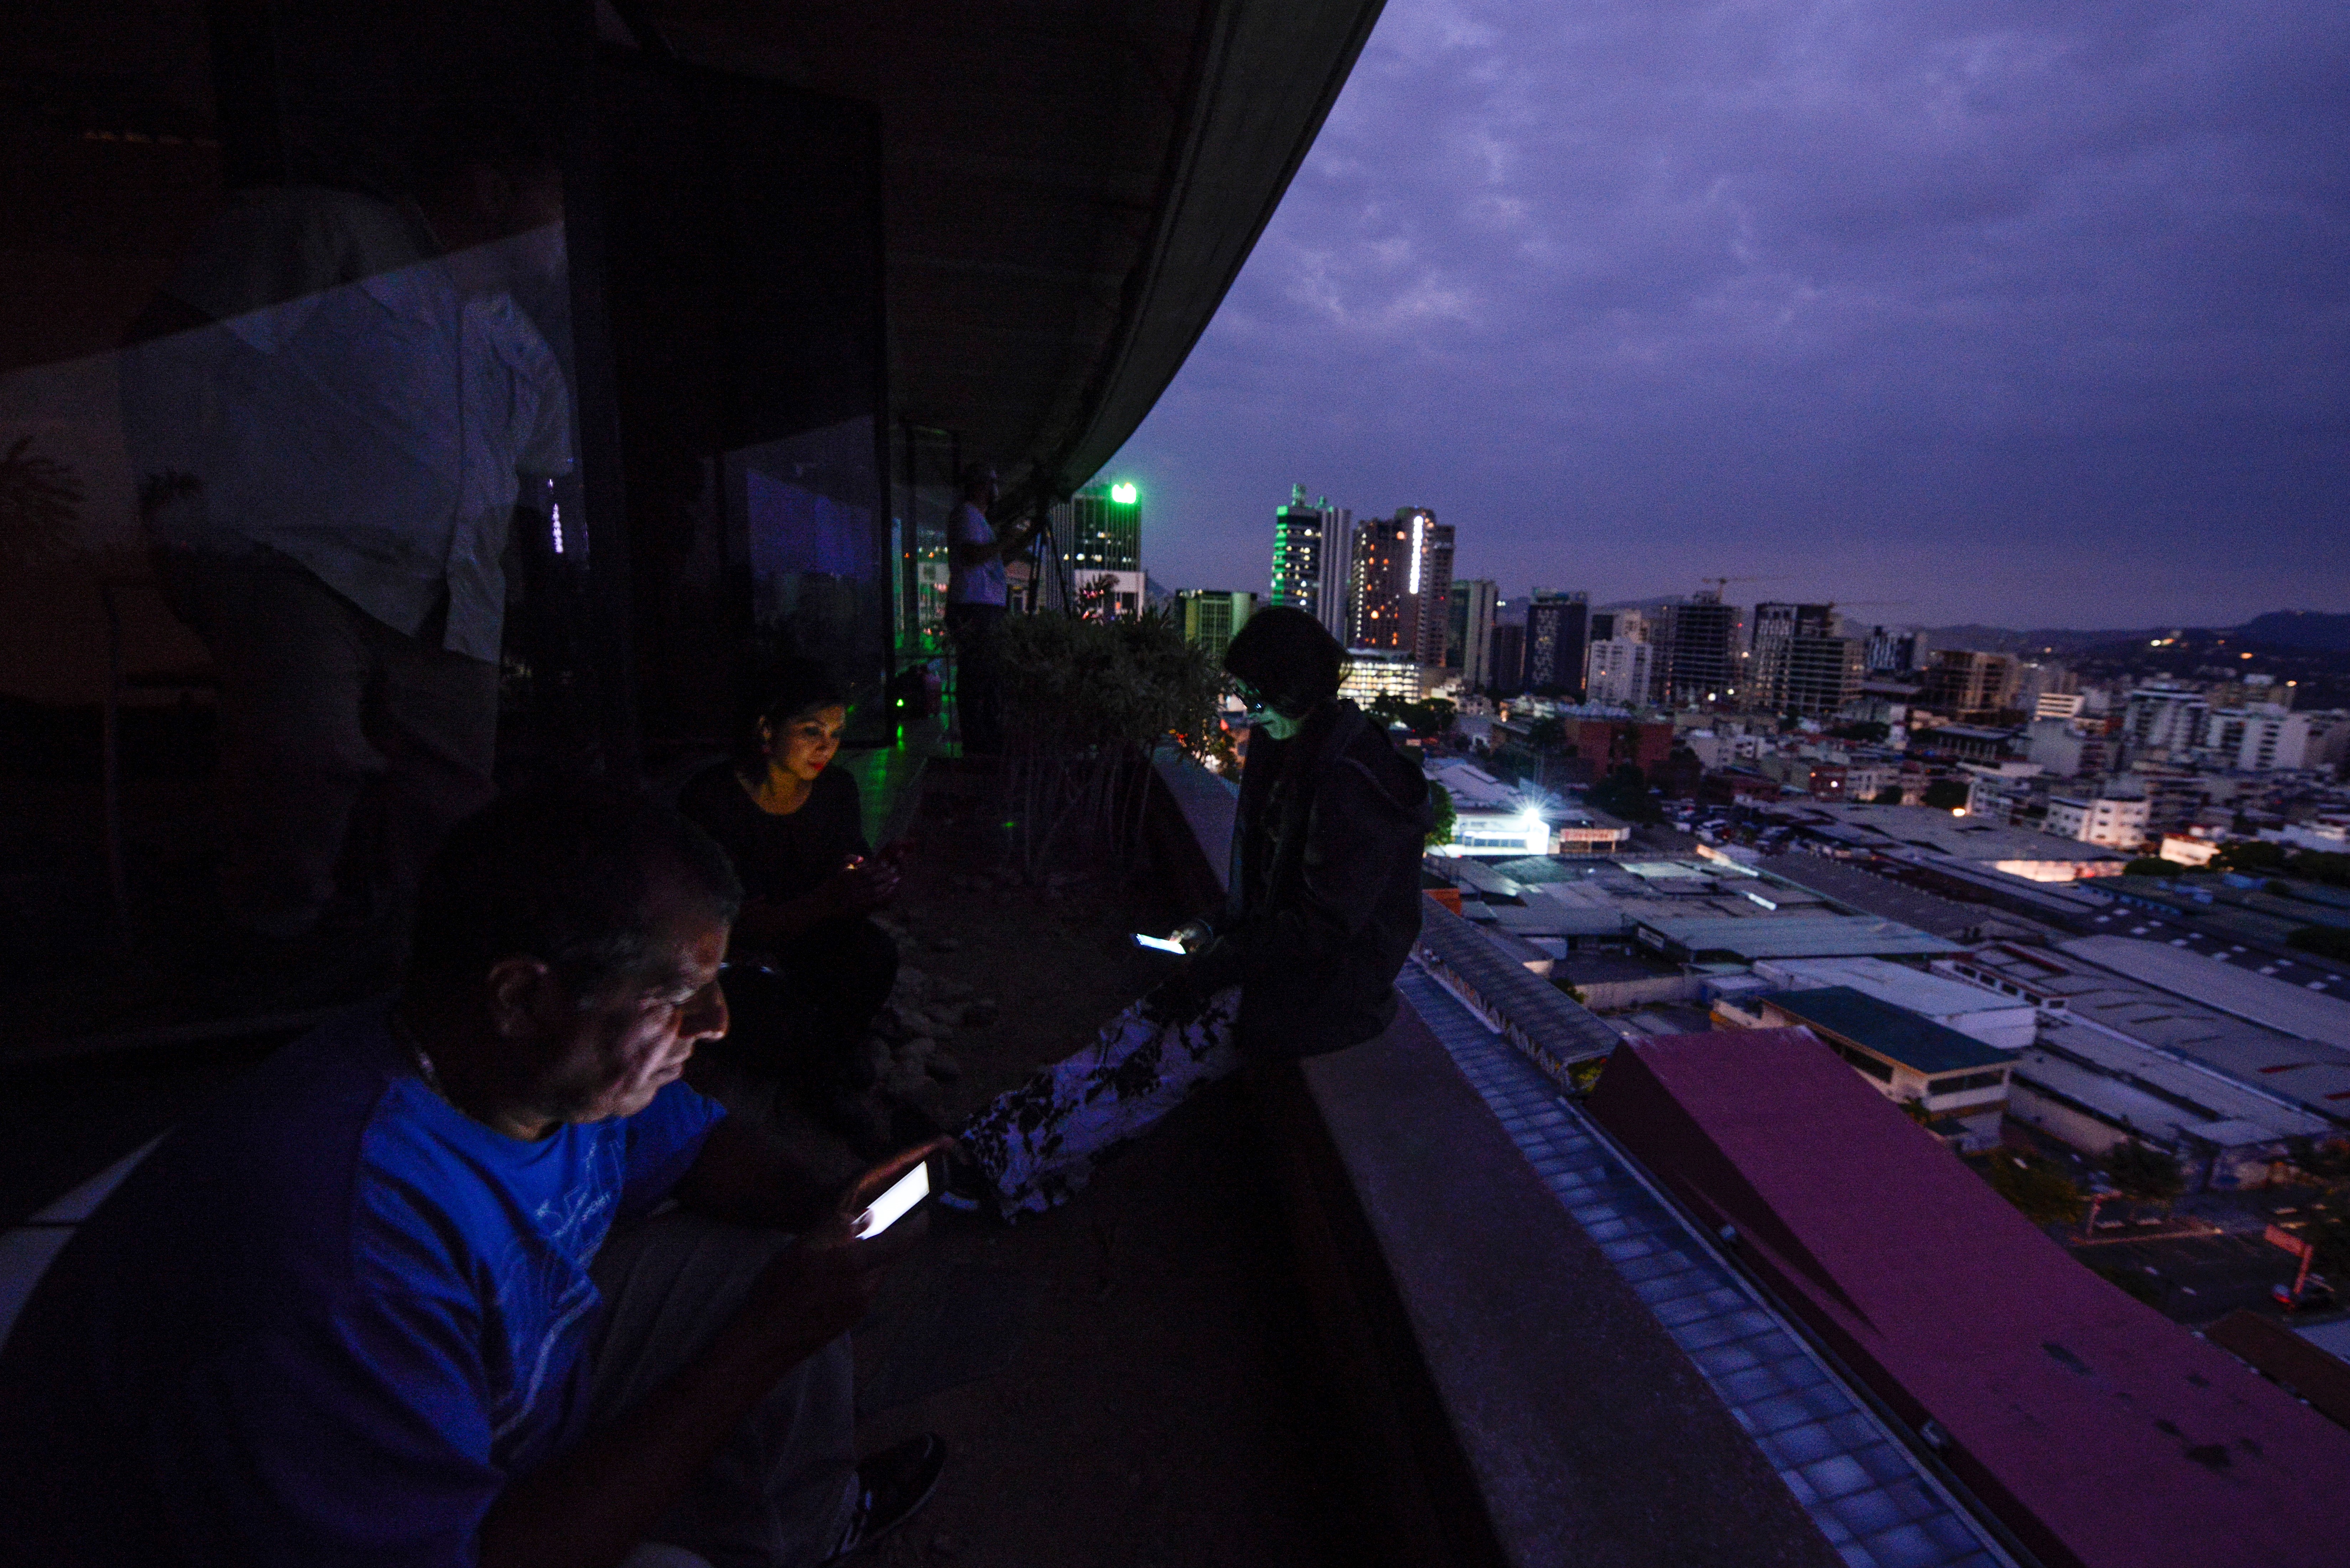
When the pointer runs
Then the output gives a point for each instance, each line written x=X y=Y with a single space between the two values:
x=779 y=857
x=1324 y=894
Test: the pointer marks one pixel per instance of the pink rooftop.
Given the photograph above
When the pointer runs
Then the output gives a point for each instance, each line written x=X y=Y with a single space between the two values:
x=2102 y=1433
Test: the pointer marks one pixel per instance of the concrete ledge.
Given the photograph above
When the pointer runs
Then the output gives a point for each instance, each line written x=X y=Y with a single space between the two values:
x=1512 y=1401
x=1537 y=1412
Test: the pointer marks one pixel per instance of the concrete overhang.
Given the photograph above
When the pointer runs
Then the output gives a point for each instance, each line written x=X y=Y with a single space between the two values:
x=1069 y=189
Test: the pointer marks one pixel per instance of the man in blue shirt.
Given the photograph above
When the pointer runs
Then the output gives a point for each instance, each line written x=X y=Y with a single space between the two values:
x=362 y=1311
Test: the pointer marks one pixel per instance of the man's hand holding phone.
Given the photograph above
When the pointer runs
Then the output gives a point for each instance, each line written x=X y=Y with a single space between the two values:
x=823 y=1284
x=1187 y=939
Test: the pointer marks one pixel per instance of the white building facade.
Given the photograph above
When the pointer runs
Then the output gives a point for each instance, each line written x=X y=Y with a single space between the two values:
x=1618 y=670
x=2116 y=824
x=2256 y=740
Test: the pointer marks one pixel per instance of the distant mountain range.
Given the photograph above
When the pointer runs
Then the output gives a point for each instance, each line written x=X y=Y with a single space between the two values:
x=2300 y=631
x=2307 y=632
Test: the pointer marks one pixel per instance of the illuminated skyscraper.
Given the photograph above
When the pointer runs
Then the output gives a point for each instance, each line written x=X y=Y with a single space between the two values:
x=1098 y=532
x=1106 y=529
x=1402 y=587
x=1312 y=549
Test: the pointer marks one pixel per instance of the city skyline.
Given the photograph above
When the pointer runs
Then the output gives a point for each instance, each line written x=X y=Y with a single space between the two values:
x=1634 y=298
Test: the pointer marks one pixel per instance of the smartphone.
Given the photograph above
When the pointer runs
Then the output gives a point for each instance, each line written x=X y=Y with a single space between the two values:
x=892 y=1205
x=1157 y=944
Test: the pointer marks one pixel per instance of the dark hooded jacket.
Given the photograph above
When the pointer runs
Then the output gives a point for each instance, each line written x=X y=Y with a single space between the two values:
x=1324 y=898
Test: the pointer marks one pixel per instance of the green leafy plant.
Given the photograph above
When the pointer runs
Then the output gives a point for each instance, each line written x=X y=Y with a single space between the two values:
x=1440 y=802
x=2249 y=855
x=1085 y=702
x=2143 y=1172
x=1946 y=795
x=2045 y=1194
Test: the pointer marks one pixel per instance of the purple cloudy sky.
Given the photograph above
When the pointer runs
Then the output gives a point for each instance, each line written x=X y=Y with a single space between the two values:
x=2035 y=312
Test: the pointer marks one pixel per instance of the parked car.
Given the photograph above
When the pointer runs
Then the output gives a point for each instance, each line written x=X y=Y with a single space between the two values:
x=2316 y=1292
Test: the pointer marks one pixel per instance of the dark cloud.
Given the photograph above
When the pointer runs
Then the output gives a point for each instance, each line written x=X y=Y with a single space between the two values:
x=2012 y=311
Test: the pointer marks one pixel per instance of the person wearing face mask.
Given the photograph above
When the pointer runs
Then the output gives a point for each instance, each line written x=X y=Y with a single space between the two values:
x=333 y=407
x=1322 y=907
x=808 y=968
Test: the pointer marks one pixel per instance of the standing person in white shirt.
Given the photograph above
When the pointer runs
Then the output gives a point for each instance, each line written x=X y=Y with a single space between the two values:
x=975 y=602
x=334 y=407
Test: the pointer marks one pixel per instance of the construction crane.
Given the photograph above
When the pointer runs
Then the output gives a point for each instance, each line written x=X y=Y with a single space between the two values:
x=1721 y=583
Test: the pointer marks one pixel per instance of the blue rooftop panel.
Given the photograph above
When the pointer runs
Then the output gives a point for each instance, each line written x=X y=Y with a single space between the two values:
x=1893 y=1032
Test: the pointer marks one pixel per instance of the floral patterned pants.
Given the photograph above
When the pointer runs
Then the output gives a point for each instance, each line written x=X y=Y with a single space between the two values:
x=1039 y=1144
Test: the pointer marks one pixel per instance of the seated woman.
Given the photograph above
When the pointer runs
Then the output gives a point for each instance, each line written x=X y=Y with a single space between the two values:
x=1323 y=909
x=807 y=970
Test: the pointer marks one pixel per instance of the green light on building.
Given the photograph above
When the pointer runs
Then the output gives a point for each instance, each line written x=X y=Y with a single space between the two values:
x=1124 y=494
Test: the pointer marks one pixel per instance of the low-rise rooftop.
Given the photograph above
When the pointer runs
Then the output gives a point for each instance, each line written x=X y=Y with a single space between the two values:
x=2257 y=998
x=2102 y=1434
x=1881 y=895
x=2042 y=856
x=1893 y=1032
x=1972 y=1009
x=1807 y=935
x=2313 y=1075
x=2199 y=1093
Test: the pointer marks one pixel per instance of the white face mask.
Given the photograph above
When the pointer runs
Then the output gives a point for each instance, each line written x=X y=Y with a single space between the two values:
x=1280 y=725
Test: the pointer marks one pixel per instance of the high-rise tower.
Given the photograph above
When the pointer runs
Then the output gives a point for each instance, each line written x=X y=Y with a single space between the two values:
x=1468 y=635
x=1704 y=667
x=1558 y=628
x=1776 y=628
x=1099 y=533
x=1402 y=587
x=1312 y=552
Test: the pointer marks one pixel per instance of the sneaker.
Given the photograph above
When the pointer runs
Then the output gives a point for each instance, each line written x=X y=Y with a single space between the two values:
x=891 y=1487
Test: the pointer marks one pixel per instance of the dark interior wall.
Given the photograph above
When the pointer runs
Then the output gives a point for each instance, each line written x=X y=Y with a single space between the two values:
x=741 y=275
x=719 y=329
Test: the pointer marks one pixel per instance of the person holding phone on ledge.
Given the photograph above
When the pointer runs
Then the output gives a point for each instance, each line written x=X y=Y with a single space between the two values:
x=808 y=968
x=401 y=1296
x=1322 y=907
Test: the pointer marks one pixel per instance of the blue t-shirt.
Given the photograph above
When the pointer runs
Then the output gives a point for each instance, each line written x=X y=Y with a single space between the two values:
x=327 y=1321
